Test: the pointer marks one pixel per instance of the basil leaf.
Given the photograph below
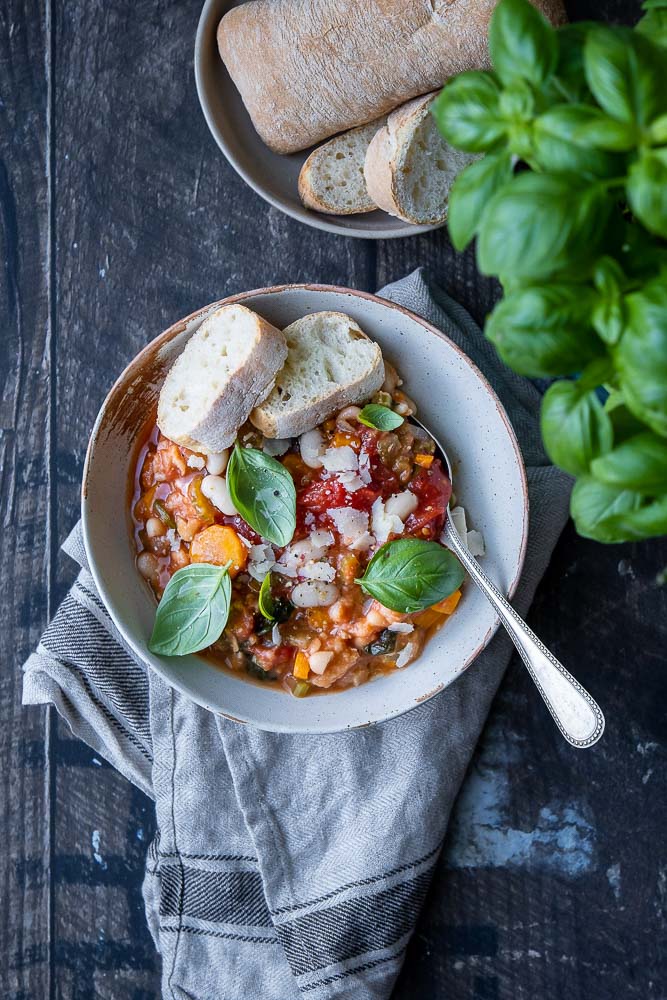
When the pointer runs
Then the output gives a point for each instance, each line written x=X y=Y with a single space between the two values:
x=470 y=194
x=193 y=611
x=466 y=112
x=609 y=311
x=522 y=43
x=626 y=74
x=647 y=190
x=584 y=126
x=539 y=225
x=410 y=575
x=595 y=509
x=646 y=521
x=641 y=355
x=380 y=417
x=569 y=79
x=542 y=331
x=575 y=427
x=640 y=463
x=654 y=22
x=265 y=601
x=263 y=492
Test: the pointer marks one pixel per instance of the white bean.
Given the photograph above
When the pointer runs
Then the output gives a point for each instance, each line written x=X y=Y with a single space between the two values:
x=216 y=463
x=155 y=528
x=319 y=662
x=216 y=490
x=311 y=446
x=148 y=566
x=344 y=417
x=314 y=594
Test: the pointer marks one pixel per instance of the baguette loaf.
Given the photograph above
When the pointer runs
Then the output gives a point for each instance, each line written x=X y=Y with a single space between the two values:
x=410 y=168
x=332 y=178
x=228 y=366
x=331 y=363
x=307 y=69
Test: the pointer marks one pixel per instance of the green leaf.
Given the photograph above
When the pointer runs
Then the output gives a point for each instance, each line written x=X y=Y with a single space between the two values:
x=410 y=575
x=262 y=491
x=609 y=310
x=265 y=601
x=646 y=521
x=193 y=611
x=639 y=463
x=595 y=509
x=556 y=148
x=587 y=126
x=380 y=417
x=542 y=331
x=654 y=23
x=641 y=355
x=540 y=225
x=569 y=79
x=624 y=422
x=522 y=43
x=647 y=190
x=626 y=74
x=471 y=193
x=466 y=112
x=658 y=130
x=575 y=426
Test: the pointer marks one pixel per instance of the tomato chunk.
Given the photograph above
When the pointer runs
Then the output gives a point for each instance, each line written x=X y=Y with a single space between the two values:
x=433 y=490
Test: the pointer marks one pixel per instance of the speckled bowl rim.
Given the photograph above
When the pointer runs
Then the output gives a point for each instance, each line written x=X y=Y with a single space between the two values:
x=207 y=26
x=136 y=366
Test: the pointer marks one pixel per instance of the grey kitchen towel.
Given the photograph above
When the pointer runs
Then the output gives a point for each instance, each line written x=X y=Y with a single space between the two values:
x=290 y=866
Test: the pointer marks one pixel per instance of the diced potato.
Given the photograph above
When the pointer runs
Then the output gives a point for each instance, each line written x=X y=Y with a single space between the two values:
x=220 y=544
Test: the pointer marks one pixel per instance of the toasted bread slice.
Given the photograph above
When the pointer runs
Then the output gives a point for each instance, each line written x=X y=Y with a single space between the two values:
x=228 y=366
x=409 y=167
x=332 y=178
x=331 y=363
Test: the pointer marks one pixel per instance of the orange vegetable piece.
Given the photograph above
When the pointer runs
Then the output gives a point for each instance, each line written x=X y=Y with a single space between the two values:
x=296 y=466
x=428 y=618
x=301 y=667
x=426 y=461
x=219 y=544
x=449 y=604
x=341 y=438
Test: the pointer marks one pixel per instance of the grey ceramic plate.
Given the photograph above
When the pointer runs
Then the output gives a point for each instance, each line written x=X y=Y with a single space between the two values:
x=272 y=176
x=453 y=398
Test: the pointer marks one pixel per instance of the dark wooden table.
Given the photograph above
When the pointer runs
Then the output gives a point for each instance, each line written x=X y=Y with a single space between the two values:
x=118 y=215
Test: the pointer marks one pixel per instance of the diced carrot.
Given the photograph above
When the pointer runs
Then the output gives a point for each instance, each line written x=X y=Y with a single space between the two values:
x=219 y=544
x=426 y=461
x=296 y=466
x=301 y=667
x=203 y=506
x=341 y=438
x=428 y=618
x=449 y=604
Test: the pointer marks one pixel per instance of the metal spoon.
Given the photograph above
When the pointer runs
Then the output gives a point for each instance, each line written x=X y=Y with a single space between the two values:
x=575 y=713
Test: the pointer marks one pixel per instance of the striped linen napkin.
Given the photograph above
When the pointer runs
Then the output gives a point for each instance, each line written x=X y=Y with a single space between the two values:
x=289 y=866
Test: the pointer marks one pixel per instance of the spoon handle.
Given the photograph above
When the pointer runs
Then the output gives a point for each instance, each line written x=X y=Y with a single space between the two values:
x=576 y=714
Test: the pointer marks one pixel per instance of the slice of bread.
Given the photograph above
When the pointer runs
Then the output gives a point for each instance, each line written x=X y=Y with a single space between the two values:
x=332 y=178
x=228 y=366
x=331 y=363
x=409 y=167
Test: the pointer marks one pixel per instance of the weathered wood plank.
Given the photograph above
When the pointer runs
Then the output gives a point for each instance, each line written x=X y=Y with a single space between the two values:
x=24 y=502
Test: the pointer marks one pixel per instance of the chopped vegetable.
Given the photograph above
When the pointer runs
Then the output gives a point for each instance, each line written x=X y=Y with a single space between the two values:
x=425 y=461
x=301 y=689
x=301 y=666
x=164 y=515
x=449 y=604
x=220 y=544
x=203 y=506
x=385 y=643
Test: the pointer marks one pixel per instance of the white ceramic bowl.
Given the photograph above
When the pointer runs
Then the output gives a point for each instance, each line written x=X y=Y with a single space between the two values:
x=271 y=175
x=452 y=397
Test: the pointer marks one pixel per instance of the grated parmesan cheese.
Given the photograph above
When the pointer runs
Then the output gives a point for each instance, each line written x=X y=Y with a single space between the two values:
x=343 y=459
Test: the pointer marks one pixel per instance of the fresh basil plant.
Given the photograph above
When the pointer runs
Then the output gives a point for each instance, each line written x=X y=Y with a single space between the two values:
x=263 y=492
x=568 y=203
x=193 y=611
x=410 y=574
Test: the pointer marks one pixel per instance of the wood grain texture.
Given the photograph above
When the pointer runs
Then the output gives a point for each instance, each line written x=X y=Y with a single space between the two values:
x=117 y=216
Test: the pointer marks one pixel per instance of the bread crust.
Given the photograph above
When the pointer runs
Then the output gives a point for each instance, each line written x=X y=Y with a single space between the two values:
x=285 y=425
x=307 y=190
x=249 y=386
x=384 y=158
x=327 y=67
